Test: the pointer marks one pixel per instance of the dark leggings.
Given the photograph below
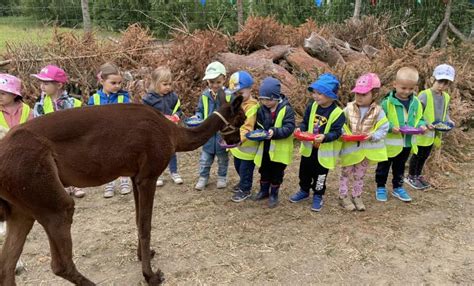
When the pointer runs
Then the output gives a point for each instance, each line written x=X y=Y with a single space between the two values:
x=417 y=161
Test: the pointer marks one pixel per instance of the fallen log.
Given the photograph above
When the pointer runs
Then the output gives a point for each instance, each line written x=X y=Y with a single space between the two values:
x=320 y=48
x=301 y=61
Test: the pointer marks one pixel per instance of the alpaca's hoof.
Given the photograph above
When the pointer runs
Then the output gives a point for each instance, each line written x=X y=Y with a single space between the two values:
x=156 y=279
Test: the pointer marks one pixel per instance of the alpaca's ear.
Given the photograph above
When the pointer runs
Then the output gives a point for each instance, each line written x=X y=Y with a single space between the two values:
x=236 y=103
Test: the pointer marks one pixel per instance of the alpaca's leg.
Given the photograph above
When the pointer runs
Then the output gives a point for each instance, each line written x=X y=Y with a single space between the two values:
x=18 y=227
x=58 y=229
x=147 y=188
x=137 y=211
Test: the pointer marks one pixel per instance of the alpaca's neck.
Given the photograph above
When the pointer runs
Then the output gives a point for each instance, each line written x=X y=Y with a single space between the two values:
x=188 y=139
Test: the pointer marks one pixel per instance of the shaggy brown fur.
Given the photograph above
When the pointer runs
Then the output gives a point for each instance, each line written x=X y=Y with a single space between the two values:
x=89 y=147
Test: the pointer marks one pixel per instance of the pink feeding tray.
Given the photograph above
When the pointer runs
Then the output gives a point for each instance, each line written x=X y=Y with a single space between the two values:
x=223 y=144
x=172 y=118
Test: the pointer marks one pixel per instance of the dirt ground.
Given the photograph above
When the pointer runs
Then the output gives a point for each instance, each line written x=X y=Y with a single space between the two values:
x=204 y=238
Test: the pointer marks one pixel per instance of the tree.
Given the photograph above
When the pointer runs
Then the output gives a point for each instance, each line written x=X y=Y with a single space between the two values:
x=358 y=4
x=86 y=17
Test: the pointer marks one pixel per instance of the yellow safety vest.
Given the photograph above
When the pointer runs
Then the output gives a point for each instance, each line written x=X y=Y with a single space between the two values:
x=248 y=149
x=96 y=98
x=176 y=107
x=205 y=104
x=355 y=152
x=25 y=113
x=327 y=152
x=48 y=104
x=281 y=150
x=431 y=137
x=395 y=142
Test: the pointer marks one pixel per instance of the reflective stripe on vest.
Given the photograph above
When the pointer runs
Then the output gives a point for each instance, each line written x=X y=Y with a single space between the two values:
x=327 y=152
x=205 y=104
x=249 y=148
x=281 y=150
x=431 y=137
x=25 y=114
x=355 y=152
x=176 y=107
x=96 y=99
x=48 y=104
x=395 y=142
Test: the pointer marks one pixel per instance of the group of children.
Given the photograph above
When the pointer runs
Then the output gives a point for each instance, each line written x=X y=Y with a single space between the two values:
x=384 y=144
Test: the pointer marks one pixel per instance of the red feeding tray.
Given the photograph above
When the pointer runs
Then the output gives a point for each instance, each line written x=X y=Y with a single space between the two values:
x=410 y=130
x=172 y=118
x=353 y=138
x=305 y=136
x=223 y=144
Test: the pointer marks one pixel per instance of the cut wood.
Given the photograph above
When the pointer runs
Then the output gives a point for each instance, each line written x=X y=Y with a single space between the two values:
x=303 y=62
x=274 y=53
x=318 y=47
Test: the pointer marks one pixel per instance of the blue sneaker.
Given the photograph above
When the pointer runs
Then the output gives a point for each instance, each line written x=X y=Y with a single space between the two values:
x=381 y=194
x=401 y=194
x=317 y=203
x=299 y=196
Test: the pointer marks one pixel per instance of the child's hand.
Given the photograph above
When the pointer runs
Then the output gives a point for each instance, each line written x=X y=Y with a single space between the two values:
x=395 y=130
x=270 y=134
x=452 y=122
x=423 y=128
x=297 y=130
x=430 y=126
x=319 y=138
x=368 y=138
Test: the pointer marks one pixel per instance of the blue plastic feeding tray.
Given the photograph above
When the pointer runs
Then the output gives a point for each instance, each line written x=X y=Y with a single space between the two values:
x=257 y=135
x=193 y=122
x=443 y=126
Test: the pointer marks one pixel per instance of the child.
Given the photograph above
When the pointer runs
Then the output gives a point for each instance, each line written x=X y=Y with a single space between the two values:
x=54 y=97
x=241 y=83
x=209 y=101
x=110 y=92
x=275 y=115
x=326 y=118
x=363 y=116
x=13 y=112
x=435 y=101
x=161 y=96
x=402 y=108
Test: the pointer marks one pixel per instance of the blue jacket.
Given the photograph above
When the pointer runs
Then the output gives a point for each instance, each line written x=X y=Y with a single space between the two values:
x=322 y=115
x=212 y=145
x=165 y=103
x=110 y=99
x=265 y=121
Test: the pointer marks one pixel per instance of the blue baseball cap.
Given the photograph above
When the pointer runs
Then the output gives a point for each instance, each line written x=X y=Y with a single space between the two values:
x=326 y=84
x=240 y=80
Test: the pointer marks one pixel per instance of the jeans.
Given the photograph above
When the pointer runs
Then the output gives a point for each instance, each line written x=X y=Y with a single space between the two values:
x=173 y=165
x=206 y=160
x=245 y=170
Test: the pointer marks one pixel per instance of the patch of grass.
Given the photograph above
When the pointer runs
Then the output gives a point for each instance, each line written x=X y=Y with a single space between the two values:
x=25 y=29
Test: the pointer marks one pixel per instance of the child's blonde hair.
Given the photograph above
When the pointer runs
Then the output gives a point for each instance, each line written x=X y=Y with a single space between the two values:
x=160 y=74
x=107 y=70
x=407 y=73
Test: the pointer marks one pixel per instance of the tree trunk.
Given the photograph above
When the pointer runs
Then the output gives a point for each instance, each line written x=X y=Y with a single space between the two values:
x=240 y=14
x=302 y=62
x=358 y=4
x=86 y=17
x=318 y=47
x=447 y=16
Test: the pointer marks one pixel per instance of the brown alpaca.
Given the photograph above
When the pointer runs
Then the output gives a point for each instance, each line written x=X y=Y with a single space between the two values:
x=84 y=148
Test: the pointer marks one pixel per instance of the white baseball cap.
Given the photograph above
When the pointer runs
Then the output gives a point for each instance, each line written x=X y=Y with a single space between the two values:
x=444 y=71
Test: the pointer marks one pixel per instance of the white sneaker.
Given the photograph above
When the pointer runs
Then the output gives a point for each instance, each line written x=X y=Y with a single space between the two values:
x=3 y=228
x=176 y=178
x=108 y=193
x=201 y=184
x=20 y=266
x=125 y=190
x=221 y=182
x=160 y=182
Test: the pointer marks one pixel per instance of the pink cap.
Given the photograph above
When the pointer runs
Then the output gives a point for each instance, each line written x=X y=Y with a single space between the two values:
x=10 y=84
x=366 y=83
x=52 y=73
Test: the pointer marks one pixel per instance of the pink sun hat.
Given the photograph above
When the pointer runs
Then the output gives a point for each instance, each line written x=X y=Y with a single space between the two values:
x=366 y=83
x=51 y=73
x=10 y=84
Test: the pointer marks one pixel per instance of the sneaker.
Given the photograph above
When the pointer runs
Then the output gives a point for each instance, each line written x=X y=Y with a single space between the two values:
x=20 y=266
x=125 y=190
x=78 y=193
x=359 y=205
x=3 y=228
x=423 y=182
x=221 y=182
x=381 y=194
x=201 y=184
x=240 y=196
x=176 y=178
x=317 y=203
x=346 y=203
x=413 y=182
x=108 y=193
x=236 y=188
x=160 y=182
x=299 y=196
x=401 y=194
